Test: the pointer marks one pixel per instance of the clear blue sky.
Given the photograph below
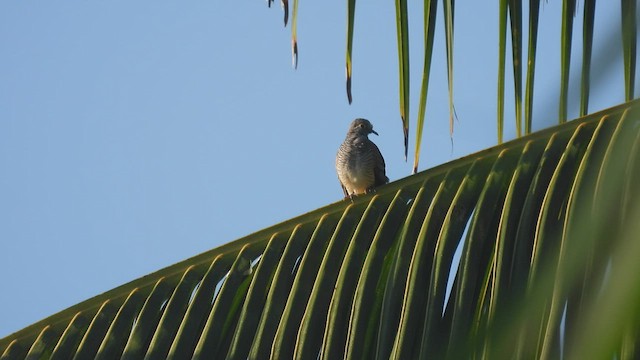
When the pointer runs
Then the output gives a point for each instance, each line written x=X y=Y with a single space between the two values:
x=134 y=135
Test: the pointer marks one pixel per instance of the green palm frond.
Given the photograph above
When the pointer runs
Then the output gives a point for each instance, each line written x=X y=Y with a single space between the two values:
x=547 y=233
x=512 y=10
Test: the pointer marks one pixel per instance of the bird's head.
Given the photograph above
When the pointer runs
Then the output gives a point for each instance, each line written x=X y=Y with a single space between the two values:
x=361 y=127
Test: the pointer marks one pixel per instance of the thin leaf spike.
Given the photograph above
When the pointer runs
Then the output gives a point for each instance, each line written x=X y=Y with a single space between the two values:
x=348 y=75
x=587 y=47
x=402 y=24
x=568 y=10
x=351 y=10
x=294 y=52
x=294 y=35
x=449 y=7
x=285 y=8
x=515 y=14
x=534 y=11
x=502 y=48
x=430 y=7
x=629 y=37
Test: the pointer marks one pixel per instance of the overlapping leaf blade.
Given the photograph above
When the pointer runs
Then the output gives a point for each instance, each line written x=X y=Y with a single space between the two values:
x=515 y=15
x=430 y=7
x=587 y=49
x=534 y=14
x=568 y=12
x=502 y=48
x=402 y=30
x=629 y=43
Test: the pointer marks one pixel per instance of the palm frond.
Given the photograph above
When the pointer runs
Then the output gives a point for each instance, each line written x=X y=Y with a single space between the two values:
x=541 y=221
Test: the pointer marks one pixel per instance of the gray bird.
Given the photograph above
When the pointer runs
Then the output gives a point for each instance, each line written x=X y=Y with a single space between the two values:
x=359 y=163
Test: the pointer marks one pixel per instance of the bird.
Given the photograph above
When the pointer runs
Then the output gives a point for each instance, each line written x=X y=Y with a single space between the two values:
x=359 y=163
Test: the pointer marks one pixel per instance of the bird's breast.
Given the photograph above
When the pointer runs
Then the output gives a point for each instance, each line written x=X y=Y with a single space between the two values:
x=355 y=169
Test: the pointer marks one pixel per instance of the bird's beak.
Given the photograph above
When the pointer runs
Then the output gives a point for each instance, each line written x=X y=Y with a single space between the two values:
x=373 y=131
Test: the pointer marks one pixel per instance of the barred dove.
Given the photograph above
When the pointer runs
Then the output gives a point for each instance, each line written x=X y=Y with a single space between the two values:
x=359 y=163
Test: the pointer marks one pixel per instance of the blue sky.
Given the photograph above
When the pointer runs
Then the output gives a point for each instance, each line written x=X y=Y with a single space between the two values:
x=134 y=135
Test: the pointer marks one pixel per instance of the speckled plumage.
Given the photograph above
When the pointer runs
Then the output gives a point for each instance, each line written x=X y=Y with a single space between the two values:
x=359 y=163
